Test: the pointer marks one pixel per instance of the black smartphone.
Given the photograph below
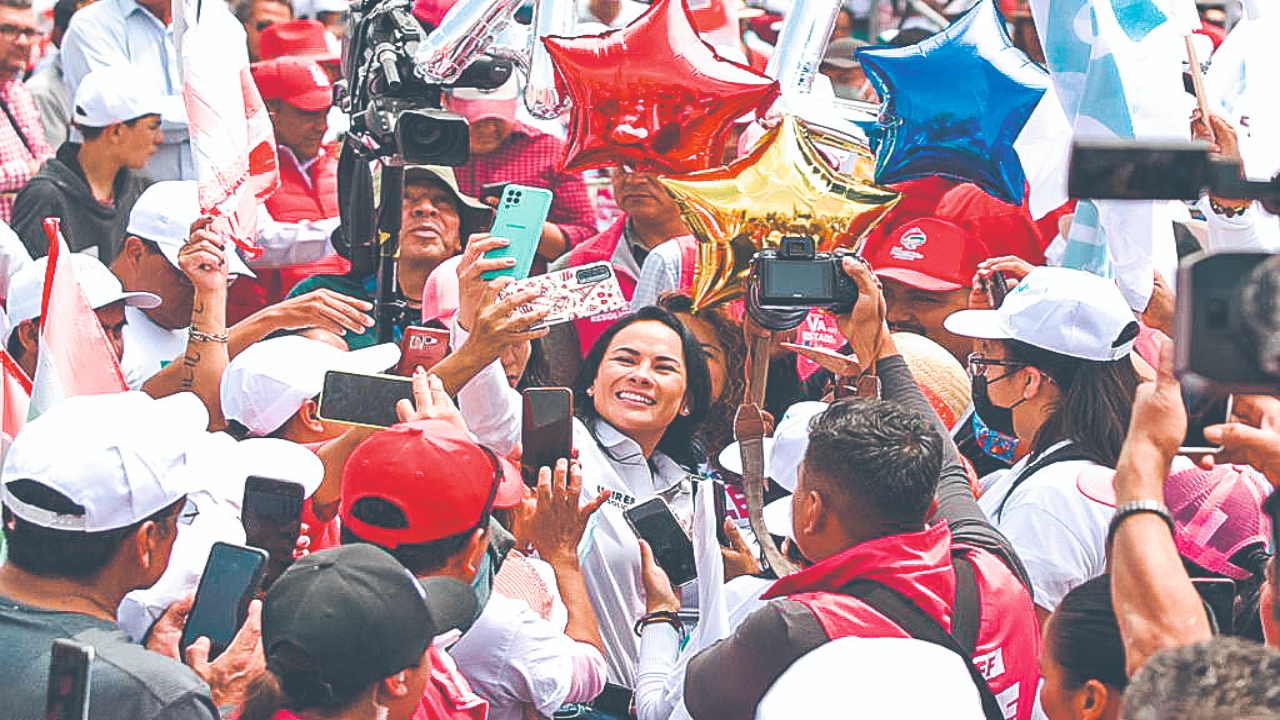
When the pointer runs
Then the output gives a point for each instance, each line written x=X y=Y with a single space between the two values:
x=1107 y=168
x=995 y=286
x=369 y=400
x=546 y=434
x=1219 y=595
x=1205 y=406
x=70 y=667
x=653 y=522
x=720 y=505
x=272 y=517
x=231 y=578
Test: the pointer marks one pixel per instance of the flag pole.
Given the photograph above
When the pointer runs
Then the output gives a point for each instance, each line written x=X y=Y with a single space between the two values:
x=1197 y=82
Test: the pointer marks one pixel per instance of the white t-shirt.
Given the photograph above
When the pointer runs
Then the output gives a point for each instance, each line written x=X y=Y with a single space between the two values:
x=512 y=656
x=1059 y=534
x=148 y=348
x=610 y=552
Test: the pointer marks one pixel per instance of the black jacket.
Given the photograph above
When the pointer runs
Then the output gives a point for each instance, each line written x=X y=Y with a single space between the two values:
x=61 y=190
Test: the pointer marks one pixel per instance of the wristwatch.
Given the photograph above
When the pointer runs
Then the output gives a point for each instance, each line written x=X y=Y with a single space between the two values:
x=1137 y=507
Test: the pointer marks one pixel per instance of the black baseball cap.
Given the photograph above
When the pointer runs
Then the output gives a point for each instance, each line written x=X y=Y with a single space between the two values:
x=339 y=620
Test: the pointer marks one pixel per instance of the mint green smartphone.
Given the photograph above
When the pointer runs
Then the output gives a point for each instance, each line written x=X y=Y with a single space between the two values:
x=521 y=212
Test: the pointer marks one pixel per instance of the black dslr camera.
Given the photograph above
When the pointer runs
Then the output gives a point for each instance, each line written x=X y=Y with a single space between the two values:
x=797 y=275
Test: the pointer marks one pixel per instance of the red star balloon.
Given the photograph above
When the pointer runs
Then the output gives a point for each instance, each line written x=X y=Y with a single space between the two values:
x=653 y=95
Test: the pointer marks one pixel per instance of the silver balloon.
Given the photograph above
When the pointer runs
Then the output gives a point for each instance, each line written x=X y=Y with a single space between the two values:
x=541 y=97
x=801 y=43
x=465 y=33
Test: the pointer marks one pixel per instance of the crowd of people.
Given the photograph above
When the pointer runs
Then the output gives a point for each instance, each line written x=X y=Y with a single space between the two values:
x=1003 y=524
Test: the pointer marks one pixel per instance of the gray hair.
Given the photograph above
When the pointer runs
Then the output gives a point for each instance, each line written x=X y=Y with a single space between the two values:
x=1224 y=678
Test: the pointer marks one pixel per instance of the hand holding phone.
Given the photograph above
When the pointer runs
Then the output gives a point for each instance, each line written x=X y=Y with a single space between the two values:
x=367 y=400
x=521 y=213
x=70 y=673
x=546 y=433
x=421 y=347
x=653 y=522
x=1204 y=407
x=995 y=286
x=231 y=579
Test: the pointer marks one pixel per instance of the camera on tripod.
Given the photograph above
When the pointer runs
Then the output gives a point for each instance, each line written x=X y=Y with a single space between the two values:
x=797 y=275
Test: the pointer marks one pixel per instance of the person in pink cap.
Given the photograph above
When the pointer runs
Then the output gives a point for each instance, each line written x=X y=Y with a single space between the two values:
x=297 y=221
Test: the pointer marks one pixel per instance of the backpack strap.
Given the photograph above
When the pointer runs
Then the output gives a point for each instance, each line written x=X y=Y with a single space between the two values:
x=1066 y=453
x=904 y=613
x=966 y=618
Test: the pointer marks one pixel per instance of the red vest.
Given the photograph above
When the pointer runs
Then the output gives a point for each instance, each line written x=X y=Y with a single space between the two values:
x=601 y=247
x=297 y=199
x=918 y=565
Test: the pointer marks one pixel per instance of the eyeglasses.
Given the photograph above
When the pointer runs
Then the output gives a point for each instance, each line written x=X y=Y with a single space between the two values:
x=13 y=32
x=977 y=364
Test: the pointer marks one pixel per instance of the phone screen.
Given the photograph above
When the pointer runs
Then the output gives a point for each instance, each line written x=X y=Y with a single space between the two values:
x=422 y=347
x=230 y=580
x=1205 y=407
x=272 y=518
x=369 y=400
x=67 y=696
x=996 y=287
x=1219 y=594
x=547 y=430
x=653 y=522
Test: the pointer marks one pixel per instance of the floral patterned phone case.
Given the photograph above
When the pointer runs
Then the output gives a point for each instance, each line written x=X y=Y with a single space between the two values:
x=573 y=293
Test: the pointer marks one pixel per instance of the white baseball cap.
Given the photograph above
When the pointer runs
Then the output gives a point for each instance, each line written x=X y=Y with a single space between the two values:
x=164 y=213
x=267 y=383
x=784 y=451
x=114 y=94
x=1069 y=312
x=101 y=288
x=121 y=456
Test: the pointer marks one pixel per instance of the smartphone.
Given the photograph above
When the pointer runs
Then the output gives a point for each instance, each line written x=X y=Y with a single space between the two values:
x=574 y=293
x=546 y=434
x=1108 y=168
x=653 y=521
x=1219 y=595
x=521 y=213
x=492 y=191
x=231 y=578
x=368 y=400
x=70 y=669
x=720 y=507
x=995 y=286
x=1205 y=406
x=421 y=347
x=272 y=516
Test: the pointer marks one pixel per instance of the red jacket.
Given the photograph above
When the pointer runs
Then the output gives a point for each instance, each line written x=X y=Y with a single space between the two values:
x=918 y=565
x=299 y=197
x=595 y=249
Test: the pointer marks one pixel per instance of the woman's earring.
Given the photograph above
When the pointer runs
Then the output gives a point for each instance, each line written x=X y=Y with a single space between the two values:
x=684 y=410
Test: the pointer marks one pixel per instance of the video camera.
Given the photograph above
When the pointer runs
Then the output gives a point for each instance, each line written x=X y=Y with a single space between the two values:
x=796 y=275
x=1228 y=305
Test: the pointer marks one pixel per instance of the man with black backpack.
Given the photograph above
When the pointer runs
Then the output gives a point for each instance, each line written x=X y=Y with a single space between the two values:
x=898 y=549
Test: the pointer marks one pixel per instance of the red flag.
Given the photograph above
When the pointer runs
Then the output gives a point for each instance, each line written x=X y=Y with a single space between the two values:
x=15 y=399
x=76 y=356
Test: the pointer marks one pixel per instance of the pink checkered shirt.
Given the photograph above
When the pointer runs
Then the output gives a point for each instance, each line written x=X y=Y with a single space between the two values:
x=530 y=157
x=15 y=158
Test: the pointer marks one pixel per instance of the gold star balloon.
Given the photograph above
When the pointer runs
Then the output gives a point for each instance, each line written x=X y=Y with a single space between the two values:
x=782 y=187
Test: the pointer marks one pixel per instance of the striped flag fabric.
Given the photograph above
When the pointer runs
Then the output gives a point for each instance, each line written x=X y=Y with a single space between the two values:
x=76 y=356
x=1116 y=67
x=232 y=140
x=15 y=400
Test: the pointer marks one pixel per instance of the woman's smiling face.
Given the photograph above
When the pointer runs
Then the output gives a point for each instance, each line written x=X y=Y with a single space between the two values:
x=641 y=382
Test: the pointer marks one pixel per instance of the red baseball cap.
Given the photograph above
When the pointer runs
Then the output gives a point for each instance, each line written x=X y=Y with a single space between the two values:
x=297 y=81
x=930 y=254
x=296 y=38
x=441 y=480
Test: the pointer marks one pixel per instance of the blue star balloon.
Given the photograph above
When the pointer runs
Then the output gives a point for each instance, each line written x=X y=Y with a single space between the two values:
x=954 y=103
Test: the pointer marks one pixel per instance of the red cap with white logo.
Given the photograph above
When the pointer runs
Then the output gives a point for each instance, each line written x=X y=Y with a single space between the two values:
x=298 y=81
x=930 y=254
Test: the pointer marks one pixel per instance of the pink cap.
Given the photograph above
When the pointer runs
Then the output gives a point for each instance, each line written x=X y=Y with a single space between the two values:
x=440 y=293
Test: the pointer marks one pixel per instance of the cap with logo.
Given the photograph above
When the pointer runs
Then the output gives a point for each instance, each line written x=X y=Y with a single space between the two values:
x=299 y=82
x=296 y=38
x=439 y=478
x=265 y=385
x=113 y=94
x=1069 y=312
x=339 y=620
x=100 y=286
x=475 y=104
x=930 y=254
x=122 y=457
x=163 y=214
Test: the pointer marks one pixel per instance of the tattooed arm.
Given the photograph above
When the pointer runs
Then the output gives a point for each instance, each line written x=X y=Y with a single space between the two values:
x=199 y=370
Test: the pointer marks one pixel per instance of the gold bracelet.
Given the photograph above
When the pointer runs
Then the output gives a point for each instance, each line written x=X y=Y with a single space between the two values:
x=199 y=336
x=1228 y=211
